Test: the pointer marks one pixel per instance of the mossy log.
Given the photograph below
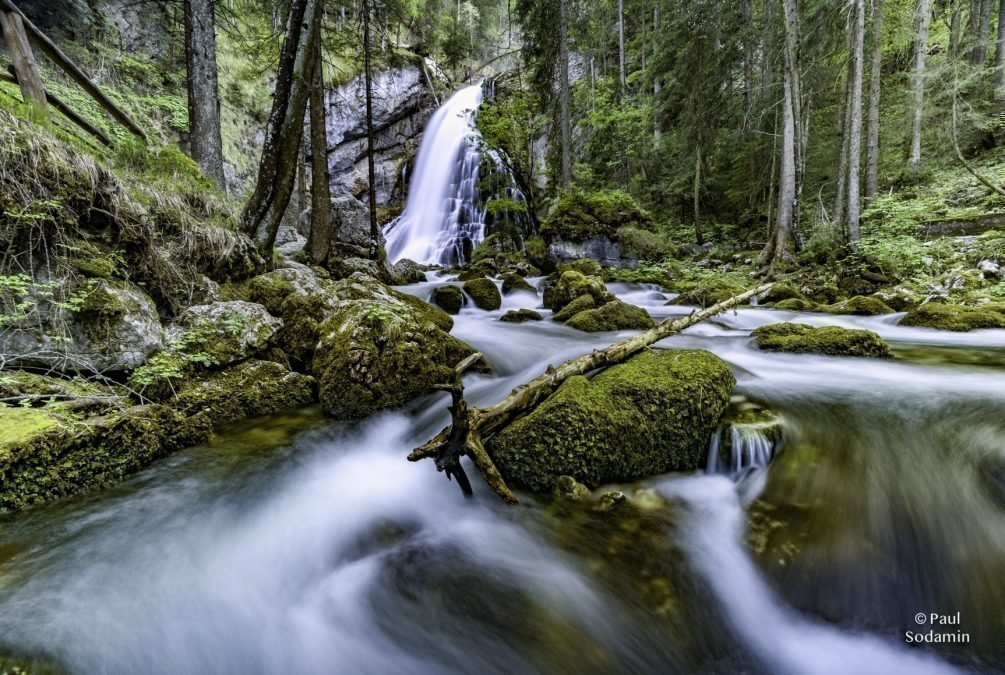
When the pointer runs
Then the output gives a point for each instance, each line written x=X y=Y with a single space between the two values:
x=471 y=425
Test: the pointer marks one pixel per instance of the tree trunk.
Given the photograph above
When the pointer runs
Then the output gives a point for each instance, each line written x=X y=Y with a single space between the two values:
x=621 y=43
x=746 y=12
x=983 y=32
x=277 y=167
x=855 y=130
x=203 y=93
x=922 y=20
x=23 y=59
x=370 y=144
x=563 y=94
x=698 y=236
x=792 y=39
x=657 y=84
x=840 y=198
x=320 y=237
x=875 y=85
x=470 y=426
x=1000 y=55
x=954 y=34
x=788 y=180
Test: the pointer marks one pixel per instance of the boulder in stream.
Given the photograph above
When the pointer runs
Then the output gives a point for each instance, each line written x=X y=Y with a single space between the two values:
x=959 y=318
x=571 y=285
x=484 y=293
x=616 y=315
x=652 y=414
x=798 y=338
x=521 y=316
x=580 y=304
x=859 y=305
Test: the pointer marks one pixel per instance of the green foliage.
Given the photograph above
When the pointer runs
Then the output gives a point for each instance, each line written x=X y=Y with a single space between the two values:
x=579 y=215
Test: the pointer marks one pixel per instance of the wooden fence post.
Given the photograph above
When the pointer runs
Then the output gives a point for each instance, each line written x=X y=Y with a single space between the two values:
x=25 y=66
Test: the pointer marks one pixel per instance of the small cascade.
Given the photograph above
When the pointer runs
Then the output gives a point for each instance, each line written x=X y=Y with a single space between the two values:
x=454 y=180
x=749 y=441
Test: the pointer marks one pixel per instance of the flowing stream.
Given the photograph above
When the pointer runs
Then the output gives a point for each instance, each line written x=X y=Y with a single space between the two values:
x=295 y=545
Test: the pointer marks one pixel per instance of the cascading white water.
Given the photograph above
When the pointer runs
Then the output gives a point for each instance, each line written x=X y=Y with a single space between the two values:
x=750 y=446
x=440 y=223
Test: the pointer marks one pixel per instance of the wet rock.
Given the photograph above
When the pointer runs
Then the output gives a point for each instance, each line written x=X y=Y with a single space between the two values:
x=449 y=298
x=484 y=293
x=611 y=501
x=616 y=315
x=570 y=489
x=580 y=304
x=409 y=271
x=707 y=293
x=513 y=282
x=958 y=318
x=797 y=305
x=797 y=338
x=990 y=269
x=225 y=332
x=521 y=316
x=899 y=299
x=652 y=414
x=779 y=292
x=859 y=306
x=571 y=285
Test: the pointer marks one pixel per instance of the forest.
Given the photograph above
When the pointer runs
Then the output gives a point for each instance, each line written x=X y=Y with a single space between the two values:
x=502 y=336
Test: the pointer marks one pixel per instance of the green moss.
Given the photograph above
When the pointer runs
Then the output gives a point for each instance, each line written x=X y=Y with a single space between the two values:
x=578 y=216
x=484 y=293
x=613 y=316
x=652 y=414
x=537 y=251
x=580 y=304
x=645 y=245
x=707 y=292
x=268 y=290
x=570 y=285
x=587 y=266
x=449 y=298
x=797 y=305
x=958 y=318
x=424 y=310
x=797 y=338
x=18 y=425
x=521 y=316
x=513 y=282
x=779 y=292
x=859 y=306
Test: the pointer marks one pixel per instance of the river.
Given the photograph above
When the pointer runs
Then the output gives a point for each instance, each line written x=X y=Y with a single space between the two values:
x=298 y=545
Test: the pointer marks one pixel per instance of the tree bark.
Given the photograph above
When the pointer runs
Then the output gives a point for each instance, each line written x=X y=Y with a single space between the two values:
x=657 y=84
x=980 y=53
x=23 y=59
x=698 y=236
x=788 y=179
x=621 y=44
x=564 y=123
x=922 y=19
x=1000 y=55
x=855 y=131
x=320 y=237
x=875 y=86
x=277 y=167
x=203 y=91
x=746 y=13
x=840 y=198
x=954 y=33
x=800 y=132
x=471 y=426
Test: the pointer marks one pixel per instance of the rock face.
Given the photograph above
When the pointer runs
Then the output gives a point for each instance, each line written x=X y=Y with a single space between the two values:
x=400 y=113
x=652 y=414
x=379 y=350
x=228 y=332
x=797 y=338
x=115 y=328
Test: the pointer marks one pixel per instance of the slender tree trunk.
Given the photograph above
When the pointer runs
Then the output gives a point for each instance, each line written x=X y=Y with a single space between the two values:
x=746 y=12
x=563 y=69
x=875 y=86
x=983 y=32
x=277 y=167
x=787 y=175
x=922 y=20
x=621 y=44
x=840 y=198
x=855 y=132
x=203 y=95
x=698 y=236
x=1000 y=55
x=371 y=171
x=800 y=130
x=768 y=44
x=954 y=33
x=657 y=84
x=320 y=238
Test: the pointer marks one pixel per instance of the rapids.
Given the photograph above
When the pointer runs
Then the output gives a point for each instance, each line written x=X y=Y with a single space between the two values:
x=295 y=545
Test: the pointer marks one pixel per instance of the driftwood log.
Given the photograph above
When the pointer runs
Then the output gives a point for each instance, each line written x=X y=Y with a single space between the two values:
x=470 y=426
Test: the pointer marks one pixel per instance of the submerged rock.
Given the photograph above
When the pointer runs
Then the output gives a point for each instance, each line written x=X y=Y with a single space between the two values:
x=798 y=338
x=616 y=315
x=449 y=298
x=521 y=316
x=484 y=293
x=653 y=414
x=958 y=318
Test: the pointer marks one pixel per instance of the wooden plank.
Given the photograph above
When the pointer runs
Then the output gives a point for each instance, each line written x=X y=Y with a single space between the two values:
x=49 y=48
x=30 y=81
x=66 y=110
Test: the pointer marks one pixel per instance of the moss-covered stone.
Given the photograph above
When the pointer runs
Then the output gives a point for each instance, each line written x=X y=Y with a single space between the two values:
x=652 y=414
x=449 y=298
x=570 y=285
x=707 y=292
x=520 y=316
x=484 y=293
x=587 y=266
x=859 y=306
x=513 y=282
x=958 y=318
x=424 y=310
x=797 y=338
x=579 y=216
x=613 y=316
x=797 y=305
x=779 y=292
x=580 y=304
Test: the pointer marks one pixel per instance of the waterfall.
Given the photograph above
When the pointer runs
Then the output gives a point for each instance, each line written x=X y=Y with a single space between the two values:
x=445 y=215
x=737 y=448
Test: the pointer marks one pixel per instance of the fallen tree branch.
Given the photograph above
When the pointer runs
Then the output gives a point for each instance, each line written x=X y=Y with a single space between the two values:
x=469 y=427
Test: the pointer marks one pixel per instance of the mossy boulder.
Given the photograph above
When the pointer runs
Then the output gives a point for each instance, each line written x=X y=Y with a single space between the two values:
x=223 y=333
x=797 y=305
x=859 y=306
x=707 y=292
x=571 y=285
x=409 y=272
x=779 y=292
x=797 y=338
x=520 y=316
x=958 y=318
x=513 y=282
x=613 y=316
x=449 y=298
x=579 y=216
x=587 y=266
x=653 y=414
x=484 y=293
x=580 y=304
x=378 y=351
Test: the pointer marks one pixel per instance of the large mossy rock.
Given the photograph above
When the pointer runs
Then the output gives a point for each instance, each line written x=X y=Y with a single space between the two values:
x=225 y=332
x=571 y=285
x=859 y=306
x=653 y=414
x=513 y=283
x=580 y=304
x=613 y=316
x=958 y=318
x=484 y=293
x=798 y=338
x=380 y=349
x=449 y=298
